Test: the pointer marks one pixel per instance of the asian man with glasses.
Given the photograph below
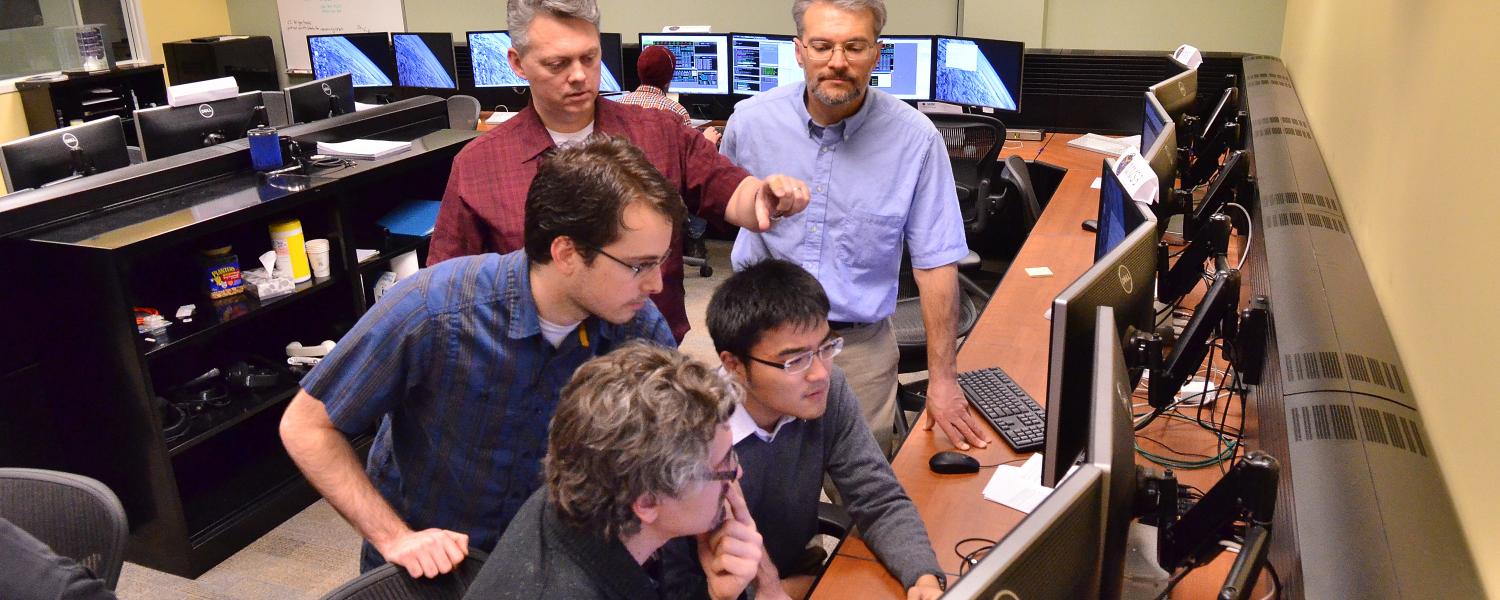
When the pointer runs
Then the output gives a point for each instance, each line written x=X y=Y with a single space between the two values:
x=796 y=422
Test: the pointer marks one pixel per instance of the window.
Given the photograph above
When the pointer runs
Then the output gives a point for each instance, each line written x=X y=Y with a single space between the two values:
x=28 y=32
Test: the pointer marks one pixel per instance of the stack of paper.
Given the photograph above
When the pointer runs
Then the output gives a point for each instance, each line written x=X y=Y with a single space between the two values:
x=1019 y=487
x=365 y=149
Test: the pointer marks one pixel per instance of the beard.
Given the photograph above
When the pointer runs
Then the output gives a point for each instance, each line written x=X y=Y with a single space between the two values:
x=838 y=99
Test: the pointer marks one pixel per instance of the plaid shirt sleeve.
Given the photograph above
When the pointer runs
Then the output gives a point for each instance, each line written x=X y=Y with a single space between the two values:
x=371 y=370
x=456 y=232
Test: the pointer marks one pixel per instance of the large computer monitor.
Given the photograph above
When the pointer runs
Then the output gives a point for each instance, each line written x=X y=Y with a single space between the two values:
x=979 y=72
x=488 y=52
x=763 y=61
x=1118 y=215
x=51 y=156
x=170 y=130
x=1177 y=94
x=1161 y=155
x=702 y=61
x=611 y=71
x=904 y=67
x=1111 y=447
x=1153 y=119
x=425 y=60
x=1123 y=280
x=366 y=57
x=320 y=99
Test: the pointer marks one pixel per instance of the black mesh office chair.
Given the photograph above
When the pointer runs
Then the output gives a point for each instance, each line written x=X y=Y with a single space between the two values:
x=973 y=143
x=390 y=582
x=76 y=516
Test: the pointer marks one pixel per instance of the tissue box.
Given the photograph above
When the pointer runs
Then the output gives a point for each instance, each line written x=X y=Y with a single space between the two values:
x=264 y=286
x=199 y=92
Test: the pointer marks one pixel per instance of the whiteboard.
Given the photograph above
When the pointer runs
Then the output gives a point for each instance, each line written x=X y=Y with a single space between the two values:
x=301 y=18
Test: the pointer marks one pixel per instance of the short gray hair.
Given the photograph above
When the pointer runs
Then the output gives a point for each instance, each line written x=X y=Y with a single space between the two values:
x=876 y=7
x=637 y=421
x=519 y=13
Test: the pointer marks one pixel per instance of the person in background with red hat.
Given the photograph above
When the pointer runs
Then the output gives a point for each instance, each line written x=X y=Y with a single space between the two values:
x=655 y=67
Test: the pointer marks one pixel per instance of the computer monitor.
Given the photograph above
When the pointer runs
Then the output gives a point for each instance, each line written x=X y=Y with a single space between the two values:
x=1177 y=94
x=763 y=61
x=60 y=154
x=1111 y=447
x=320 y=99
x=1216 y=137
x=1153 y=119
x=1162 y=157
x=1124 y=280
x=979 y=72
x=170 y=130
x=1118 y=215
x=702 y=61
x=904 y=67
x=611 y=71
x=366 y=57
x=488 y=52
x=425 y=60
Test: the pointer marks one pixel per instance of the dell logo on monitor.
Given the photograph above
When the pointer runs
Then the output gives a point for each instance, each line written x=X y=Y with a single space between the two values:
x=1127 y=283
x=1006 y=595
x=70 y=140
x=205 y=111
x=326 y=90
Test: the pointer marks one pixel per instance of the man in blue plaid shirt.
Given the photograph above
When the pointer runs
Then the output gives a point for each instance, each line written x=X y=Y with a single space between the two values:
x=458 y=368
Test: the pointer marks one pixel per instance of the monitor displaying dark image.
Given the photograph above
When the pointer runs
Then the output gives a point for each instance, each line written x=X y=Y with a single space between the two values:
x=93 y=147
x=425 y=60
x=702 y=61
x=320 y=99
x=488 y=54
x=904 y=67
x=611 y=75
x=979 y=72
x=366 y=57
x=170 y=130
x=763 y=62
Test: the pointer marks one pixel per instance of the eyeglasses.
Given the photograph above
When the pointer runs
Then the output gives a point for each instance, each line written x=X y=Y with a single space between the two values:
x=802 y=362
x=731 y=474
x=821 y=51
x=637 y=269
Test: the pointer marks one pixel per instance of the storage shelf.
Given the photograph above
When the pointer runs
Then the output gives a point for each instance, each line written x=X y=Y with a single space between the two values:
x=210 y=423
x=399 y=244
x=206 y=322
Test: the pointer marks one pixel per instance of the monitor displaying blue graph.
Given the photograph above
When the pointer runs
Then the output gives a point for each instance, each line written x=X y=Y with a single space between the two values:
x=488 y=54
x=702 y=61
x=424 y=60
x=762 y=62
x=609 y=63
x=1153 y=120
x=904 y=67
x=979 y=72
x=1117 y=214
x=366 y=57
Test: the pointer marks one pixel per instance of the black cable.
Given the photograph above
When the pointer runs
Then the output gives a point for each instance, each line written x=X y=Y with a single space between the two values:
x=971 y=557
x=1171 y=449
x=1005 y=463
x=1275 y=580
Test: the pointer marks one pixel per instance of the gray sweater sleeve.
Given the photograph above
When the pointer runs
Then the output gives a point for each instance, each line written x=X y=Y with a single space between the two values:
x=887 y=519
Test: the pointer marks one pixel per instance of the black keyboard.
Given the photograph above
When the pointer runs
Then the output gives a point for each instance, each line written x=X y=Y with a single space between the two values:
x=1005 y=405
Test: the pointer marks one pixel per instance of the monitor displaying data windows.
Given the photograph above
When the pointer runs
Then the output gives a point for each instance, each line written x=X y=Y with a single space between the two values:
x=424 y=60
x=611 y=77
x=487 y=55
x=1154 y=119
x=904 y=67
x=702 y=61
x=761 y=62
x=978 y=72
x=366 y=57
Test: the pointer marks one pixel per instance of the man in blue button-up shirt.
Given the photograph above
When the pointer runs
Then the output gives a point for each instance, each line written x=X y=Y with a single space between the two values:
x=880 y=179
x=459 y=367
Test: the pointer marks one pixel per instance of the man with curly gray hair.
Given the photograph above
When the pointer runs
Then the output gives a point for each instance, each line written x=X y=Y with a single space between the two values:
x=639 y=453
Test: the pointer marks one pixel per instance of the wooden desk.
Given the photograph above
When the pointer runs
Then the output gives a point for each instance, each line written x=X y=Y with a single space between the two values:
x=1013 y=334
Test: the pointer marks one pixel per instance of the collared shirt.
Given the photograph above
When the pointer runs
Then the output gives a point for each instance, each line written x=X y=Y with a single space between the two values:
x=879 y=179
x=742 y=425
x=651 y=96
x=452 y=368
x=484 y=207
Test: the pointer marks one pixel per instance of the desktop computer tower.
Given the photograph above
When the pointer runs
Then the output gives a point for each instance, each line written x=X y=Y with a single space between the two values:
x=251 y=60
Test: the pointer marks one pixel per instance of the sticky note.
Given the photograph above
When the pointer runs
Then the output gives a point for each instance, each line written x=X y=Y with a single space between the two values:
x=1038 y=272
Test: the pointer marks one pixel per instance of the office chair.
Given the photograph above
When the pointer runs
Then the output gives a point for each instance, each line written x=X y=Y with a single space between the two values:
x=463 y=112
x=973 y=143
x=391 y=582
x=76 y=516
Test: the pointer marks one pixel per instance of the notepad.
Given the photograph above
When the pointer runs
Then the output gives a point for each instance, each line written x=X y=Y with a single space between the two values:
x=362 y=149
x=499 y=117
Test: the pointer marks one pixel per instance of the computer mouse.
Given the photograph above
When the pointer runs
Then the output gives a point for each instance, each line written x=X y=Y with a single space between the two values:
x=953 y=463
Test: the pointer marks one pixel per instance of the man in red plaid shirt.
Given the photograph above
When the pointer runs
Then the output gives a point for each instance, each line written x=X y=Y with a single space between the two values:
x=556 y=48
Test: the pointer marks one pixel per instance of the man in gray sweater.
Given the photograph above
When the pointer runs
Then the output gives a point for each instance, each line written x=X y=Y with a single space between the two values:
x=799 y=421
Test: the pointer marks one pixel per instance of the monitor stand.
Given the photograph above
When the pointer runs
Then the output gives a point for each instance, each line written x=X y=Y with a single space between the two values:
x=1144 y=579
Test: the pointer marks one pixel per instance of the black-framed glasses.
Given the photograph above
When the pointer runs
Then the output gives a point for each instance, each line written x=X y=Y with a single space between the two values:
x=731 y=474
x=637 y=269
x=854 y=50
x=802 y=362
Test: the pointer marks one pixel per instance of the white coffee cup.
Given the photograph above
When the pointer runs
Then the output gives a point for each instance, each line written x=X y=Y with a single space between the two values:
x=317 y=254
x=405 y=265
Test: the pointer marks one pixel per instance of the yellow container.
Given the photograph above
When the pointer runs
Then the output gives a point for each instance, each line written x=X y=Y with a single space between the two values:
x=291 y=255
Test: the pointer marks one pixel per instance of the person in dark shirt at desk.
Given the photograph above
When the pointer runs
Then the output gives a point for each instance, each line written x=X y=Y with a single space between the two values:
x=556 y=49
x=30 y=570
x=459 y=366
x=798 y=421
x=638 y=455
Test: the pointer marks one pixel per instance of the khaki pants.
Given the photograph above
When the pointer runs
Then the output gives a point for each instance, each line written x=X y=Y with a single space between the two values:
x=869 y=363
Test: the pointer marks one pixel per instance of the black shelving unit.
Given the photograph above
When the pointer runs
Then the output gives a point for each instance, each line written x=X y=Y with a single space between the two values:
x=117 y=92
x=198 y=498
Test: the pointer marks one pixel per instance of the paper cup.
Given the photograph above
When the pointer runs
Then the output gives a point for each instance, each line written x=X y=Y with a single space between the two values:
x=405 y=265
x=317 y=254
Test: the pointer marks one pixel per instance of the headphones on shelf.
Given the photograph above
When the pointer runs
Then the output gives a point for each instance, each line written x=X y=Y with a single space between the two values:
x=297 y=349
x=174 y=420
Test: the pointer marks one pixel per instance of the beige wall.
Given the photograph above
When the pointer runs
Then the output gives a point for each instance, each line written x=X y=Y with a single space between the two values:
x=1401 y=97
x=173 y=20
x=1221 y=25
